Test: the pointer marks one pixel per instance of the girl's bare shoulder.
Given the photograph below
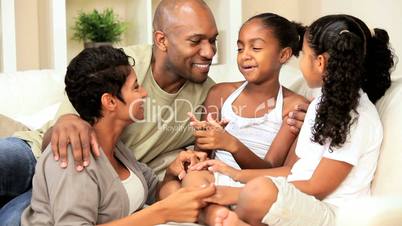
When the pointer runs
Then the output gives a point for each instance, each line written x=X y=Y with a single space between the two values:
x=291 y=100
x=223 y=90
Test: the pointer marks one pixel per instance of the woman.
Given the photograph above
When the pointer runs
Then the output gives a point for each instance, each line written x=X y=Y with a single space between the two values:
x=103 y=88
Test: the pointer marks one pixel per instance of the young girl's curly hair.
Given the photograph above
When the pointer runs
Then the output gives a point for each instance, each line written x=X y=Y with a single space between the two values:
x=356 y=60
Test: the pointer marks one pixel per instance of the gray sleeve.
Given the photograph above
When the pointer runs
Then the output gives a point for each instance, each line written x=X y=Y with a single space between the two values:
x=73 y=196
x=152 y=182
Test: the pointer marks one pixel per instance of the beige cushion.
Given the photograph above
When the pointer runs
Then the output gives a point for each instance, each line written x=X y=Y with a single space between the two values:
x=9 y=126
x=375 y=211
x=388 y=177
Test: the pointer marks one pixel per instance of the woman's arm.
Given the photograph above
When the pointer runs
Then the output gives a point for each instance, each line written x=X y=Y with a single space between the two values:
x=72 y=197
x=182 y=206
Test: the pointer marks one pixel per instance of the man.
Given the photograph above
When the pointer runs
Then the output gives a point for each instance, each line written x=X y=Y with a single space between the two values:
x=174 y=71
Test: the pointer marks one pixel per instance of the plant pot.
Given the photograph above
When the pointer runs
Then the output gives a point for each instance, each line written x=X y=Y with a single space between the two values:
x=96 y=44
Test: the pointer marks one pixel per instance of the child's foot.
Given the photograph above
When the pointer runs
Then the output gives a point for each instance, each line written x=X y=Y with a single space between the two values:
x=225 y=217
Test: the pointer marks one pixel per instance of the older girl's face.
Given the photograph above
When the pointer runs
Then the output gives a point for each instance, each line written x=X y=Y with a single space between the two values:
x=310 y=66
x=258 y=55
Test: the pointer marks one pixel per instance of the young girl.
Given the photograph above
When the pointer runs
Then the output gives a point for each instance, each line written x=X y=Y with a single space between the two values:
x=256 y=107
x=255 y=136
x=338 y=145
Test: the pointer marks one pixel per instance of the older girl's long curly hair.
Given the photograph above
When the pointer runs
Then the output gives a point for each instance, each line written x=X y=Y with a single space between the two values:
x=354 y=63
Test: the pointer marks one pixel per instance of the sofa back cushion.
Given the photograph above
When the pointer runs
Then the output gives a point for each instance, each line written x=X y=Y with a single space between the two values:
x=8 y=126
x=29 y=96
x=388 y=177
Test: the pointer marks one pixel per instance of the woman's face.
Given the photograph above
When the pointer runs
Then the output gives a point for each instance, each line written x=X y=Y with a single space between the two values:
x=310 y=66
x=134 y=96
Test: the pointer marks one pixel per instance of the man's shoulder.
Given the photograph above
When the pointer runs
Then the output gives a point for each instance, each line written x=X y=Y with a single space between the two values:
x=198 y=90
x=142 y=55
x=207 y=84
x=136 y=50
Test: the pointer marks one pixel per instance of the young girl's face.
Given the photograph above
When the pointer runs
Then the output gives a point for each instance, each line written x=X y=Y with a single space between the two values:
x=310 y=66
x=258 y=52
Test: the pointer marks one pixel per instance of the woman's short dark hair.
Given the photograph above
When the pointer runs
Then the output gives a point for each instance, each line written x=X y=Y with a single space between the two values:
x=93 y=72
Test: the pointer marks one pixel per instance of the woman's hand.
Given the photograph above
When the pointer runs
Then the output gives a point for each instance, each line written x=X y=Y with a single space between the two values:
x=225 y=195
x=185 y=159
x=185 y=204
x=215 y=165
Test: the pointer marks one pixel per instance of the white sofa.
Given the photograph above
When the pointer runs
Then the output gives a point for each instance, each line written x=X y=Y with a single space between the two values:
x=32 y=97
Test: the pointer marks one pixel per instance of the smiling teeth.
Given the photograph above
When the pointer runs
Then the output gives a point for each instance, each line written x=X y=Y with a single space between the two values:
x=202 y=65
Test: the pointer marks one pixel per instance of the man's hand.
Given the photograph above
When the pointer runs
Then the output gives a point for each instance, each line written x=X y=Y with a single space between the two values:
x=185 y=159
x=71 y=129
x=296 y=117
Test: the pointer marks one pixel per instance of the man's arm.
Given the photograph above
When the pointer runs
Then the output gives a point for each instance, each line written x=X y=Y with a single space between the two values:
x=71 y=129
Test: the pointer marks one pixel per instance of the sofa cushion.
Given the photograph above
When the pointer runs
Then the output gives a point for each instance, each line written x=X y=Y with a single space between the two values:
x=8 y=126
x=388 y=176
x=31 y=96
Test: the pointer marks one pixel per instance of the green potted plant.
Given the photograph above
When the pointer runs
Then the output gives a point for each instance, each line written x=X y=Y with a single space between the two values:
x=98 y=28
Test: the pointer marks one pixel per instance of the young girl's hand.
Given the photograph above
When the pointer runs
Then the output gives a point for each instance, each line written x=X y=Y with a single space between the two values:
x=211 y=135
x=202 y=125
x=215 y=165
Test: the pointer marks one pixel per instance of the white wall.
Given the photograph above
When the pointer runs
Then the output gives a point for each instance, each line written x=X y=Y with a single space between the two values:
x=27 y=34
x=385 y=14
x=75 y=6
x=228 y=19
x=33 y=34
